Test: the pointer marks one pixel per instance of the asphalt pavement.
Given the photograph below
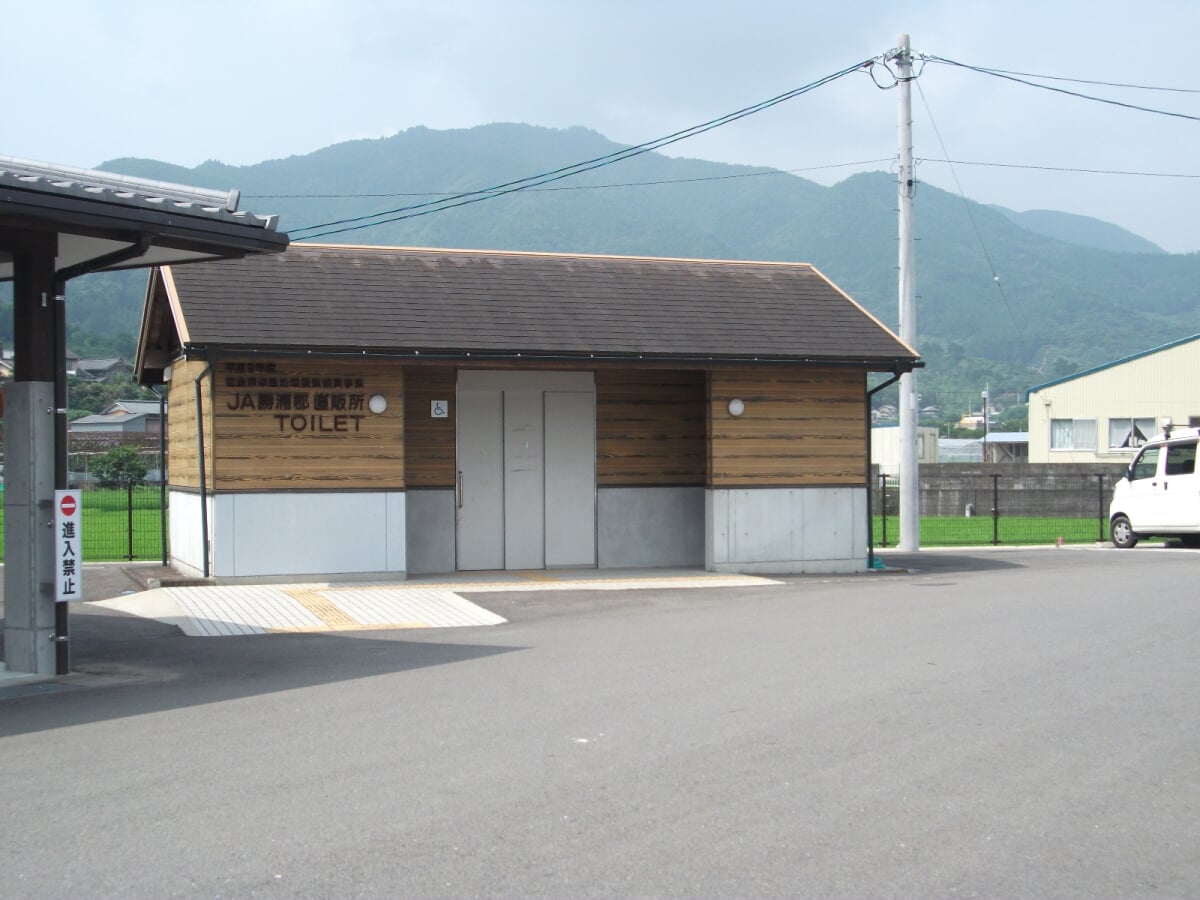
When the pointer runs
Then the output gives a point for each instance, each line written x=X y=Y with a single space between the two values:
x=992 y=723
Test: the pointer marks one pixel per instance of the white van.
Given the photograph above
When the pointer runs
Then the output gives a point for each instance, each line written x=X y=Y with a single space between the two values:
x=1160 y=493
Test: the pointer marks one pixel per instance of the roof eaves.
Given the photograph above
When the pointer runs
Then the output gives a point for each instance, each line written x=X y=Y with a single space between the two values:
x=124 y=190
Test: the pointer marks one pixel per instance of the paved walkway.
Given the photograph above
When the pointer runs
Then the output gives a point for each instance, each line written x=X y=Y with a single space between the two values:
x=241 y=609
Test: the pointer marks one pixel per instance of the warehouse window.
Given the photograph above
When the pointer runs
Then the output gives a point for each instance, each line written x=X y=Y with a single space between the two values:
x=1072 y=434
x=1126 y=434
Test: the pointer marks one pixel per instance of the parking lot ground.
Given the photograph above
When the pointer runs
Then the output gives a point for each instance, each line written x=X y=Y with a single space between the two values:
x=998 y=723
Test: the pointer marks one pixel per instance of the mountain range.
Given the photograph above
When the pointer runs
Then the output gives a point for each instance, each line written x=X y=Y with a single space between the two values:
x=1006 y=299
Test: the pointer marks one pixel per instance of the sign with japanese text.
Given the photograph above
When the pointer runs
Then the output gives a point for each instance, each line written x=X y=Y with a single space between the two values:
x=316 y=404
x=68 y=542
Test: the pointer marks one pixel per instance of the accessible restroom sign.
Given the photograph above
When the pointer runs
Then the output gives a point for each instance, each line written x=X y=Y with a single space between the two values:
x=68 y=543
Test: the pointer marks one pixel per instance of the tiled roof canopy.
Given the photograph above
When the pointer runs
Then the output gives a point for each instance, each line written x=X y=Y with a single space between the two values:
x=451 y=303
x=95 y=214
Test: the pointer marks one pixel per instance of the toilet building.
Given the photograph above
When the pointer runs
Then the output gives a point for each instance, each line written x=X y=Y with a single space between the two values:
x=339 y=410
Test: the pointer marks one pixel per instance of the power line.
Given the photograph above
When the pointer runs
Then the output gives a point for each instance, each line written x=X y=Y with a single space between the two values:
x=419 y=209
x=1116 y=84
x=998 y=73
x=1076 y=169
x=581 y=187
x=758 y=174
x=970 y=215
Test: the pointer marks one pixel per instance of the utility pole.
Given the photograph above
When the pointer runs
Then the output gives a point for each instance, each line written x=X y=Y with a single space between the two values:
x=910 y=493
x=987 y=398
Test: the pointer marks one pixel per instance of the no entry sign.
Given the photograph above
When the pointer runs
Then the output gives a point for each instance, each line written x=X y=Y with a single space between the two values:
x=68 y=537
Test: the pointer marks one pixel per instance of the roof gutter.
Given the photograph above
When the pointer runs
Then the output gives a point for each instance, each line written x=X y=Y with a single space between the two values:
x=870 y=509
x=896 y=365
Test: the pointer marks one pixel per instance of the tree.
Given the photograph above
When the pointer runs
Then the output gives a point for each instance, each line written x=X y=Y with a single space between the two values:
x=120 y=467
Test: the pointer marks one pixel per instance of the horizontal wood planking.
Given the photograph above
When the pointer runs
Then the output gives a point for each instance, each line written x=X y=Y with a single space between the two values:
x=183 y=466
x=802 y=426
x=430 y=460
x=650 y=427
x=261 y=444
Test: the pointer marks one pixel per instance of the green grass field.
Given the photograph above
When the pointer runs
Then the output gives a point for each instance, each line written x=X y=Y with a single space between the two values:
x=946 y=531
x=106 y=525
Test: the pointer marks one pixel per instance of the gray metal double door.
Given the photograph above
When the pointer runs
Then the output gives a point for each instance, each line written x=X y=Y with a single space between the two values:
x=526 y=491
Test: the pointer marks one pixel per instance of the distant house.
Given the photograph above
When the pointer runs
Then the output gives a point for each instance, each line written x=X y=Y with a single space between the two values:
x=1105 y=413
x=1006 y=447
x=102 y=369
x=885 y=447
x=960 y=450
x=124 y=416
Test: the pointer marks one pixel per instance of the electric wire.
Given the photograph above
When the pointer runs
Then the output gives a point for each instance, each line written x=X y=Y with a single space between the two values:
x=997 y=73
x=582 y=187
x=468 y=197
x=1075 y=169
x=974 y=225
x=1116 y=84
x=1033 y=167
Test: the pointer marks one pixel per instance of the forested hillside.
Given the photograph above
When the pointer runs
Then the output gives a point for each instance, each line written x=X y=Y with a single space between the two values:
x=1061 y=304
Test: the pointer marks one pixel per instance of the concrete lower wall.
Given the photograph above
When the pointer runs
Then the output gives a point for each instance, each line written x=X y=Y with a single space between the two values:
x=431 y=531
x=786 y=530
x=280 y=534
x=649 y=527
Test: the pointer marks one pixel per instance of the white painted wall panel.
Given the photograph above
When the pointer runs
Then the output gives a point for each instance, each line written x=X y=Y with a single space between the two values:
x=183 y=531
x=395 y=546
x=278 y=534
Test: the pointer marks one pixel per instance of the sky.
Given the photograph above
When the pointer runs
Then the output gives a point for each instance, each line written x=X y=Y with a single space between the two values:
x=242 y=81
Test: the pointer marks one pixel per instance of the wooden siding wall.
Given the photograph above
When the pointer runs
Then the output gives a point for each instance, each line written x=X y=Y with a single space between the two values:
x=430 y=460
x=802 y=426
x=183 y=464
x=650 y=428
x=295 y=424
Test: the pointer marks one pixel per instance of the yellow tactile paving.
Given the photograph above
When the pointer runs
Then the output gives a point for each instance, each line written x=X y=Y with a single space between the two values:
x=330 y=615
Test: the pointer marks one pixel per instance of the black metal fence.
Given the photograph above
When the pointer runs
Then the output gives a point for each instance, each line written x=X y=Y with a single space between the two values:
x=1020 y=504
x=119 y=523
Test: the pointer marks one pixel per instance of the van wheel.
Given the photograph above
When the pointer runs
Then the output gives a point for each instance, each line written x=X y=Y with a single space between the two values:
x=1122 y=532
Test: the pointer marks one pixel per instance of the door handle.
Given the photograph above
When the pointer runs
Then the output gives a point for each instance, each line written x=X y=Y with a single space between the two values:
x=458 y=490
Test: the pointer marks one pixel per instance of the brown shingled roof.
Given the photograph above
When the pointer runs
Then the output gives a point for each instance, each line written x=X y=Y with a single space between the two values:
x=332 y=298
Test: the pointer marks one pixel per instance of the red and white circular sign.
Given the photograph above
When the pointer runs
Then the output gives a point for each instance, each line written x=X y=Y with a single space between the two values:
x=67 y=505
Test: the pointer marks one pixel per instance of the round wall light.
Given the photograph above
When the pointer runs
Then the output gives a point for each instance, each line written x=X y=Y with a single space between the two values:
x=377 y=404
x=736 y=407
